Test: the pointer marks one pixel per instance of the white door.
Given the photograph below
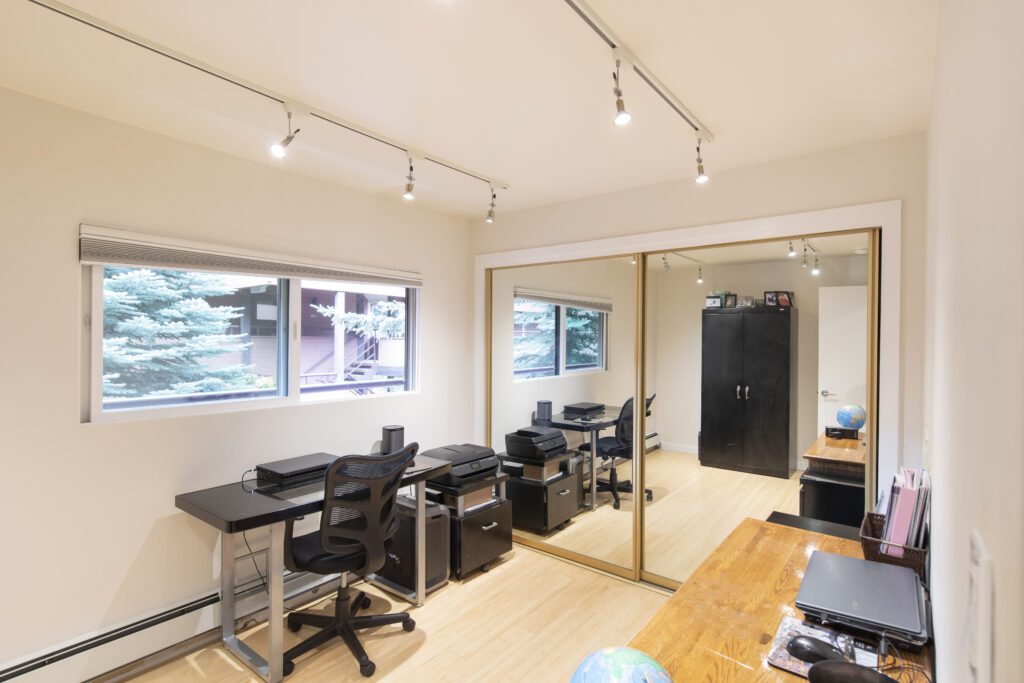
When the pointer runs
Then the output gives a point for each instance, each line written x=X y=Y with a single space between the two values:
x=842 y=350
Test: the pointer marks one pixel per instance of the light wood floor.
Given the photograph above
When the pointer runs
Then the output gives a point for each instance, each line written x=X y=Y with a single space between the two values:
x=531 y=618
x=693 y=510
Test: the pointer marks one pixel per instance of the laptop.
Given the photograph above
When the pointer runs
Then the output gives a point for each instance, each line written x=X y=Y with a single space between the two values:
x=866 y=596
x=294 y=470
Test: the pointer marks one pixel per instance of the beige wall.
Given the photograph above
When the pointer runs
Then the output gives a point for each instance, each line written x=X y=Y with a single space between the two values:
x=882 y=170
x=976 y=324
x=91 y=535
x=676 y=353
x=512 y=401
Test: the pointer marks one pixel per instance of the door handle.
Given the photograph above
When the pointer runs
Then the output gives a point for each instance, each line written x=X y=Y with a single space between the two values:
x=488 y=527
x=737 y=392
x=746 y=392
x=563 y=492
x=825 y=393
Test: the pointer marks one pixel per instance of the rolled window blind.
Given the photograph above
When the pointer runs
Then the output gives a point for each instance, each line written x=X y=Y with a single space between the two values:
x=107 y=246
x=573 y=300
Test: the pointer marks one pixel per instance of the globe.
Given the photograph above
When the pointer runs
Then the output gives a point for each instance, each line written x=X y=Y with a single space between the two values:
x=852 y=417
x=620 y=665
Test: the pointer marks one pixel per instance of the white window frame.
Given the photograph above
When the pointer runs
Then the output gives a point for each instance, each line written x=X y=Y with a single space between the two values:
x=92 y=337
x=560 y=339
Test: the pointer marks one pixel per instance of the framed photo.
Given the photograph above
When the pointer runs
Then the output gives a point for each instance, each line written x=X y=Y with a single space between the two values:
x=730 y=301
x=745 y=302
x=713 y=301
x=785 y=299
x=771 y=298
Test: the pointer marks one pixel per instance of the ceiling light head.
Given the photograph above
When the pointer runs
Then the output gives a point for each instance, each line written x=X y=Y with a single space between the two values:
x=409 y=185
x=490 y=212
x=279 y=150
x=816 y=270
x=664 y=263
x=632 y=261
x=702 y=177
x=622 y=117
x=792 y=251
x=700 y=275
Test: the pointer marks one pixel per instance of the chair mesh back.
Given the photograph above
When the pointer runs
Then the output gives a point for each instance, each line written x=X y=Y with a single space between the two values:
x=624 y=427
x=359 y=503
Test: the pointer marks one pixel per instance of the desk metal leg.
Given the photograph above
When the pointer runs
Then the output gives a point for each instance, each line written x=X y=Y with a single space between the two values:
x=593 y=469
x=271 y=671
x=421 y=543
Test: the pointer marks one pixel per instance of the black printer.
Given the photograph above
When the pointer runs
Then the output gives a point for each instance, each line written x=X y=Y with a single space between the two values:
x=469 y=462
x=535 y=443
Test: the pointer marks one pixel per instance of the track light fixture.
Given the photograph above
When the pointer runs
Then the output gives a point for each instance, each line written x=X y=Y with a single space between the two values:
x=409 y=184
x=700 y=275
x=664 y=263
x=792 y=251
x=622 y=117
x=702 y=177
x=279 y=150
x=816 y=270
x=804 y=264
x=490 y=212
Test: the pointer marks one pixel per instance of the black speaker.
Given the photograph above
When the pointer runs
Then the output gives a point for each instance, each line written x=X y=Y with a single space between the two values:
x=392 y=439
x=543 y=410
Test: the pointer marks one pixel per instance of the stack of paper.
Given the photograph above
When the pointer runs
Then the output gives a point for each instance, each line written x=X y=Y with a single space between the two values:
x=906 y=519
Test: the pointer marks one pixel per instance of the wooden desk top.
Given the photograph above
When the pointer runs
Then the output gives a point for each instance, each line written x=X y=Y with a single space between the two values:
x=850 y=451
x=720 y=624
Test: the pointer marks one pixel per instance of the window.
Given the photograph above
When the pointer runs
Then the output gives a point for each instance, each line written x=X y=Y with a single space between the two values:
x=174 y=327
x=554 y=338
x=171 y=337
x=535 y=340
x=355 y=338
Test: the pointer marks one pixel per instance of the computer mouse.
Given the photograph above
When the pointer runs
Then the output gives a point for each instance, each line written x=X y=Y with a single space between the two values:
x=812 y=650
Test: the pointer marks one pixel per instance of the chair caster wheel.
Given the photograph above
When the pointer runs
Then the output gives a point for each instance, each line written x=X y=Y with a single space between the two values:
x=367 y=669
x=485 y=567
x=293 y=627
x=288 y=668
x=366 y=602
x=650 y=496
x=408 y=625
x=615 y=505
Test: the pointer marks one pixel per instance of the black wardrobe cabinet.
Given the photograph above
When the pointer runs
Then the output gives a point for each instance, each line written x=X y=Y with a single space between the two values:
x=748 y=390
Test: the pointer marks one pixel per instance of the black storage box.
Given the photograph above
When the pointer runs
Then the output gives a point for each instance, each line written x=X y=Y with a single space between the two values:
x=469 y=462
x=543 y=506
x=580 y=409
x=841 y=433
x=537 y=443
x=400 y=564
x=480 y=537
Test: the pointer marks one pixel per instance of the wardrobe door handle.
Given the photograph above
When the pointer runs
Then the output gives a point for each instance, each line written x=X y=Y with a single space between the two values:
x=746 y=392
x=737 y=392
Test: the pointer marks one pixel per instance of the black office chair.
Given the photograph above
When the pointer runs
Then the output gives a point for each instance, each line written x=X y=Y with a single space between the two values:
x=619 y=446
x=358 y=521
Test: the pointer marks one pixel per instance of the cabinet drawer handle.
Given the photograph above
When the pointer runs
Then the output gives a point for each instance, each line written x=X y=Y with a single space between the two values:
x=564 y=492
x=488 y=527
x=746 y=394
x=737 y=391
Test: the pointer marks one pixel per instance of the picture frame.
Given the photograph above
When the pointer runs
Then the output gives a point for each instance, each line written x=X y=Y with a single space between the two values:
x=771 y=298
x=785 y=299
x=713 y=301
x=745 y=302
x=730 y=301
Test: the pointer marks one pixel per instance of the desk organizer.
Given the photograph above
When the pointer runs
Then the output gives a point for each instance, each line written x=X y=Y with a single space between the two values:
x=871 y=543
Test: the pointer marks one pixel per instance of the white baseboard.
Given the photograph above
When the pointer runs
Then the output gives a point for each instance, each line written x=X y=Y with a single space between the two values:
x=679 y=447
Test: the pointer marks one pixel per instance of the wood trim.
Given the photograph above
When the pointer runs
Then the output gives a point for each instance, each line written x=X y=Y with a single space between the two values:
x=488 y=343
x=660 y=581
x=874 y=303
x=578 y=558
x=639 y=415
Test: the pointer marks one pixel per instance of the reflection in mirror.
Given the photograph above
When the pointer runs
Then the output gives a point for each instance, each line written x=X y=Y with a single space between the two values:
x=562 y=380
x=752 y=353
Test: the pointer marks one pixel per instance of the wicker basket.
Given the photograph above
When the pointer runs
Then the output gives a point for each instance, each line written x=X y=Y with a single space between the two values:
x=871 y=543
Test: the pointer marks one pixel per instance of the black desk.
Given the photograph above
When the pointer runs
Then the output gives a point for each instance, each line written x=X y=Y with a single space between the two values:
x=241 y=506
x=606 y=419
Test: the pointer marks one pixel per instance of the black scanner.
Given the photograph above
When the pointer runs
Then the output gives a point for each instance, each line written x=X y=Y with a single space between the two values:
x=812 y=650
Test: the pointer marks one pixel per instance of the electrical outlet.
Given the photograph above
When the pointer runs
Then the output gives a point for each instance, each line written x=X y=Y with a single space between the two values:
x=979 y=611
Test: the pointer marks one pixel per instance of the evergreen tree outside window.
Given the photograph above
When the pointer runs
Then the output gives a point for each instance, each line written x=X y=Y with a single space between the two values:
x=584 y=339
x=535 y=339
x=173 y=336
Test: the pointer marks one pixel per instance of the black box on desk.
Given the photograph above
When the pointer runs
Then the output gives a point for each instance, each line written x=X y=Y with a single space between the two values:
x=400 y=564
x=841 y=433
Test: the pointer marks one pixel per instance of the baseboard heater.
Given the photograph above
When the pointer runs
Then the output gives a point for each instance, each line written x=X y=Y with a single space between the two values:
x=250 y=605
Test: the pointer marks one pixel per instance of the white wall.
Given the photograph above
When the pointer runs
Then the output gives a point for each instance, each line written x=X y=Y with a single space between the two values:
x=976 y=324
x=678 y=346
x=512 y=401
x=91 y=534
x=870 y=172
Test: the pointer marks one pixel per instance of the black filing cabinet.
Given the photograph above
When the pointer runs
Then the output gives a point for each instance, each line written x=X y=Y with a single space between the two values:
x=480 y=537
x=540 y=506
x=832 y=498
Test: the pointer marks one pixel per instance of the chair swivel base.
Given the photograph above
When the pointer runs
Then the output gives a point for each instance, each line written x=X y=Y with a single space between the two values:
x=605 y=485
x=343 y=624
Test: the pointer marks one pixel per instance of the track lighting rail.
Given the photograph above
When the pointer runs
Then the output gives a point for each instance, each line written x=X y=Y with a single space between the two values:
x=181 y=58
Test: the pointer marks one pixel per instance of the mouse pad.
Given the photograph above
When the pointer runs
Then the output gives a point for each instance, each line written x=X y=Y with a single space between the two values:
x=857 y=650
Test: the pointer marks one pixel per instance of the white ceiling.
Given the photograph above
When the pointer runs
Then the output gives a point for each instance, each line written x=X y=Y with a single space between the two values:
x=761 y=252
x=515 y=89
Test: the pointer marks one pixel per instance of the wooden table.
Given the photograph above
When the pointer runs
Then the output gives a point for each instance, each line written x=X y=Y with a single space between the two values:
x=848 y=451
x=720 y=624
